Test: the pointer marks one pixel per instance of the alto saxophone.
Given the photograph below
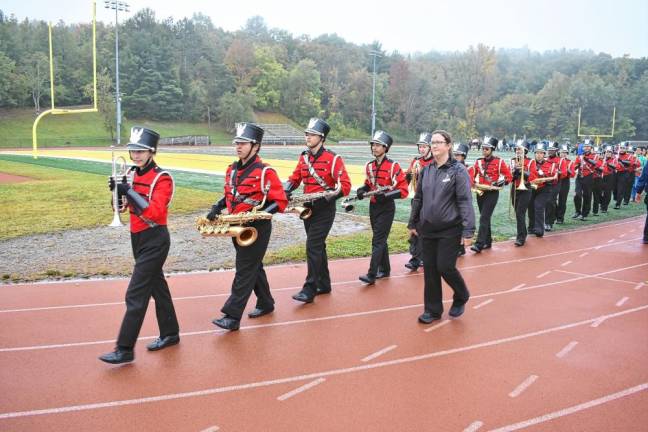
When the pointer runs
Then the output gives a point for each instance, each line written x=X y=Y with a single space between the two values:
x=297 y=203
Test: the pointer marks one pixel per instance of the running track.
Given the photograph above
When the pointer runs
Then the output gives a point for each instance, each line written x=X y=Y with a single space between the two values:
x=555 y=337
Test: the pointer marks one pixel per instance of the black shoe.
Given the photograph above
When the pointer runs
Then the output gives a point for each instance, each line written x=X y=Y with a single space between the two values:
x=428 y=317
x=321 y=291
x=539 y=235
x=368 y=279
x=519 y=242
x=227 y=323
x=258 y=312
x=625 y=203
x=413 y=265
x=531 y=231
x=604 y=211
x=617 y=207
x=487 y=246
x=576 y=216
x=381 y=274
x=118 y=356
x=476 y=248
x=164 y=342
x=645 y=241
x=303 y=297
x=560 y=221
x=595 y=214
x=456 y=311
x=581 y=218
x=462 y=250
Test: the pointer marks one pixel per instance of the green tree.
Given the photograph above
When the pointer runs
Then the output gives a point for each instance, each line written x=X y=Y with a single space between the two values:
x=268 y=79
x=301 y=95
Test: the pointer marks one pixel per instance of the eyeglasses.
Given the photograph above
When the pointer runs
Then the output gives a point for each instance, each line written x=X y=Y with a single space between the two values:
x=437 y=142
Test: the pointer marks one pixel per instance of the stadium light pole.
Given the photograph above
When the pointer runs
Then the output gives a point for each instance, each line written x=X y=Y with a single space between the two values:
x=374 y=54
x=117 y=6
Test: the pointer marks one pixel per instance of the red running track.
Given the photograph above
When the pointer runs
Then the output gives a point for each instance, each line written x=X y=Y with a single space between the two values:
x=555 y=337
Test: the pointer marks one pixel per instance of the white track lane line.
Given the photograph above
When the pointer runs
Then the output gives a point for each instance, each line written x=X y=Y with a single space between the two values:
x=325 y=318
x=315 y=375
x=599 y=321
x=596 y=277
x=379 y=353
x=523 y=386
x=566 y=263
x=571 y=410
x=622 y=301
x=541 y=275
x=474 y=426
x=563 y=352
x=517 y=287
x=482 y=304
x=639 y=285
x=436 y=326
x=301 y=389
x=211 y=429
x=584 y=254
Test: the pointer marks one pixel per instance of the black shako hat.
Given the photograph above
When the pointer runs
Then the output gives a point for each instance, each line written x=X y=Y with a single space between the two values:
x=460 y=148
x=382 y=137
x=248 y=132
x=425 y=138
x=491 y=143
x=318 y=126
x=142 y=138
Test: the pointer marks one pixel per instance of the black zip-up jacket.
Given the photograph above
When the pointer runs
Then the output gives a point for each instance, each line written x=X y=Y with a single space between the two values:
x=443 y=200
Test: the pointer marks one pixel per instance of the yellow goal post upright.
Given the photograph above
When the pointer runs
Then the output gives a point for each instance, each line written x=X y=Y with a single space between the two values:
x=55 y=110
x=597 y=137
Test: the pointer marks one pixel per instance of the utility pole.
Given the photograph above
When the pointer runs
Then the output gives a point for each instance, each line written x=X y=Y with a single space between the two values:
x=374 y=54
x=124 y=7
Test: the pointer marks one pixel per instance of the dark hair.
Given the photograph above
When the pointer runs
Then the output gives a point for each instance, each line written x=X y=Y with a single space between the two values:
x=446 y=136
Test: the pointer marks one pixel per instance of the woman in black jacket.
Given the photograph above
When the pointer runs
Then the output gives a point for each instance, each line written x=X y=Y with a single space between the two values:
x=443 y=215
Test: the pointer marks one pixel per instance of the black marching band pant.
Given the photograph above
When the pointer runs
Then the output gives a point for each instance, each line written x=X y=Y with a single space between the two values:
x=486 y=203
x=381 y=216
x=608 y=183
x=317 y=229
x=250 y=275
x=415 y=249
x=552 y=205
x=625 y=181
x=520 y=201
x=537 y=205
x=150 y=249
x=563 y=192
x=583 y=195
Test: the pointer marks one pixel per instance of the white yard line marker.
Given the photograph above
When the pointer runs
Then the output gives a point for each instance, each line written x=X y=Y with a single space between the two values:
x=623 y=300
x=598 y=322
x=563 y=352
x=596 y=277
x=378 y=353
x=639 y=285
x=211 y=429
x=610 y=241
x=566 y=263
x=571 y=410
x=436 y=326
x=541 y=275
x=301 y=389
x=523 y=386
x=517 y=287
x=319 y=374
x=584 y=254
x=482 y=304
x=474 y=426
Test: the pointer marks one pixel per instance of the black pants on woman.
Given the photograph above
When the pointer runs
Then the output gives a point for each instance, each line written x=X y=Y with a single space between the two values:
x=150 y=249
x=381 y=215
x=317 y=229
x=583 y=195
x=250 y=275
x=607 y=185
x=624 y=187
x=486 y=204
x=537 y=205
x=520 y=201
x=440 y=261
x=561 y=208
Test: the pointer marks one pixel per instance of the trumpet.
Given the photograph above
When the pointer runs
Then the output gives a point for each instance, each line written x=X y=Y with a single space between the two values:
x=484 y=187
x=297 y=204
x=119 y=170
x=348 y=205
x=540 y=180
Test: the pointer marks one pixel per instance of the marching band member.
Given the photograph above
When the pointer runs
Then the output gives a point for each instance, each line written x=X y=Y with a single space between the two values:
x=490 y=171
x=249 y=182
x=585 y=165
x=550 y=211
x=540 y=168
x=460 y=152
x=382 y=172
x=148 y=197
x=597 y=182
x=625 y=176
x=566 y=172
x=520 y=197
x=416 y=165
x=608 y=177
x=443 y=216
x=320 y=170
x=641 y=185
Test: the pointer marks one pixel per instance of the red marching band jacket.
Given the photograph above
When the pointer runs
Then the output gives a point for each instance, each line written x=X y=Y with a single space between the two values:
x=587 y=164
x=609 y=165
x=541 y=170
x=627 y=167
x=488 y=171
x=528 y=175
x=246 y=186
x=327 y=165
x=387 y=173
x=562 y=169
x=420 y=163
x=566 y=168
x=156 y=186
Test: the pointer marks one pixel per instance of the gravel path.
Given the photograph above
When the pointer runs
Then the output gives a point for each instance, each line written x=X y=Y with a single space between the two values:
x=106 y=251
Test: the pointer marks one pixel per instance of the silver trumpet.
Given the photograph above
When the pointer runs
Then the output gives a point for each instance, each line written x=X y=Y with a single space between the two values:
x=119 y=170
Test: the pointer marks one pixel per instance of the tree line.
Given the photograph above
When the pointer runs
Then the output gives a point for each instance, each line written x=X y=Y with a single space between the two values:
x=190 y=70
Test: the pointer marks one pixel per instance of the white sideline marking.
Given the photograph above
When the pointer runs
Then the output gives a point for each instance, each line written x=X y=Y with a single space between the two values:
x=596 y=277
x=639 y=285
x=332 y=372
x=571 y=410
x=599 y=321
x=211 y=429
x=352 y=281
x=482 y=304
x=623 y=300
x=474 y=426
x=541 y=275
x=566 y=263
x=325 y=318
x=563 y=352
x=610 y=241
x=517 y=287
x=301 y=389
x=378 y=353
x=436 y=326
x=622 y=235
x=523 y=386
x=584 y=254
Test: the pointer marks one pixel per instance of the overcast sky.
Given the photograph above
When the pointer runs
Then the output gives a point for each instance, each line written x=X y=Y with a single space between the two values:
x=616 y=27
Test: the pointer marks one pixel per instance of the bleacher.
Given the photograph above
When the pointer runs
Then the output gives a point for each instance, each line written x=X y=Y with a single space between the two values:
x=281 y=134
